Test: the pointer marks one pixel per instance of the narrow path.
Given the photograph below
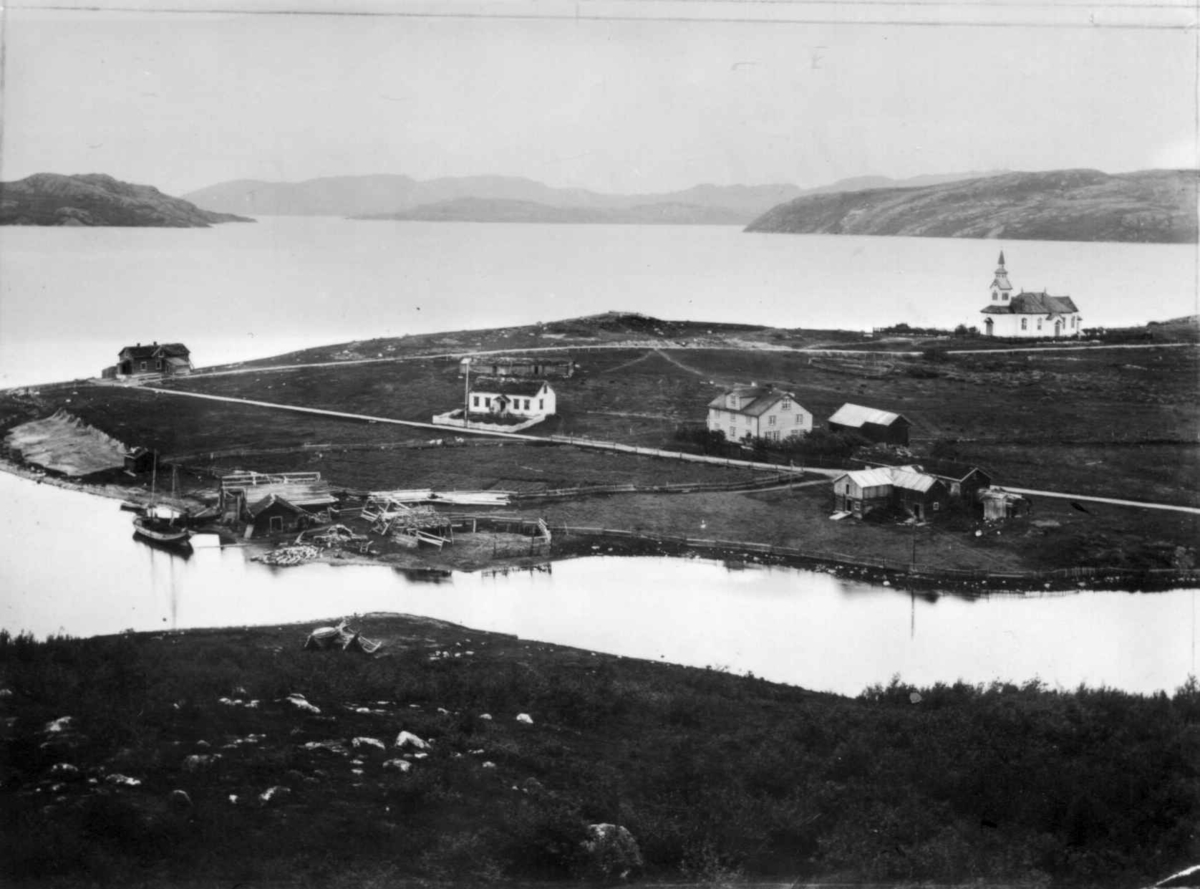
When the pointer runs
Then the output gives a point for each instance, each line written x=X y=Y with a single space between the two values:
x=1109 y=500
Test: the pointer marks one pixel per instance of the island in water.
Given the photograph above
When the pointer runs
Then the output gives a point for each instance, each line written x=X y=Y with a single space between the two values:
x=98 y=199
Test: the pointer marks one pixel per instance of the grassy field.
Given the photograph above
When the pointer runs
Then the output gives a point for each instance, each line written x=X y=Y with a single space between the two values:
x=1122 y=423
x=178 y=757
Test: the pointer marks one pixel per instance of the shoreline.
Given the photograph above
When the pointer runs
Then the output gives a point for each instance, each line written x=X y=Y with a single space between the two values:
x=581 y=543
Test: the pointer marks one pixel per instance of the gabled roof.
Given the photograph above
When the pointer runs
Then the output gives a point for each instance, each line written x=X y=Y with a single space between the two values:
x=156 y=350
x=259 y=508
x=762 y=399
x=1034 y=304
x=906 y=477
x=523 y=388
x=855 y=416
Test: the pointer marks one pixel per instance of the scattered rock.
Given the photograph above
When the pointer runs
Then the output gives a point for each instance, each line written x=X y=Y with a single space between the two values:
x=62 y=724
x=179 y=799
x=328 y=746
x=64 y=770
x=402 y=764
x=408 y=739
x=200 y=761
x=489 y=765
x=371 y=742
x=487 y=716
x=525 y=718
x=122 y=780
x=301 y=703
x=272 y=792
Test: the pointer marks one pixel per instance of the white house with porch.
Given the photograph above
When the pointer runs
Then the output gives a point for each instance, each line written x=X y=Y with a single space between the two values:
x=511 y=398
x=1028 y=315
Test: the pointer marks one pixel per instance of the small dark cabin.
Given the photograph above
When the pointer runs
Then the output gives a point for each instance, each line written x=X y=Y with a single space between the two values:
x=274 y=515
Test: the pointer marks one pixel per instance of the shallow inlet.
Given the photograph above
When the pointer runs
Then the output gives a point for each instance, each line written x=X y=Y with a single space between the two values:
x=71 y=566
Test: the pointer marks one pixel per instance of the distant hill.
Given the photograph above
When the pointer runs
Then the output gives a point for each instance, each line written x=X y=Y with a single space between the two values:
x=1153 y=206
x=497 y=210
x=402 y=197
x=98 y=199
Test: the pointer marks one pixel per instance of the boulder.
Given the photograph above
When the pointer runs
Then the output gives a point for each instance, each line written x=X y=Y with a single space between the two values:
x=612 y=851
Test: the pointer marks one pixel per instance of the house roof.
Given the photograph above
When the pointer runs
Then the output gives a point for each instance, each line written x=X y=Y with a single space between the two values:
x=523 y=388
x=302 y=494
x=263 y=505
x=906 y=477
x=855 y=415
x=154 y=350
x=762 y=399
x=1034 y=304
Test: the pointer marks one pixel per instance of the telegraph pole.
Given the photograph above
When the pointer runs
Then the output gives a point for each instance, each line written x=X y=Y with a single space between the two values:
x=467 y=396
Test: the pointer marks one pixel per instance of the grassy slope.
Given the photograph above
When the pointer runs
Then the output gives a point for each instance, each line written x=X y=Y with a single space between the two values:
x=712 y=773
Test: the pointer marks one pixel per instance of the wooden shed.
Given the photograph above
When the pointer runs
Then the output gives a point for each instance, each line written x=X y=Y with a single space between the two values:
x=275 y=515
x=900 y=487
x=871 y=423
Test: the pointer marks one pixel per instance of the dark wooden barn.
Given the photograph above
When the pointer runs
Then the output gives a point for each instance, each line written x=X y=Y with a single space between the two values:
x=871 y=423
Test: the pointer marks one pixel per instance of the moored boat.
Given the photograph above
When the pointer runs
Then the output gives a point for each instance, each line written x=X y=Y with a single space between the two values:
x=162 y=531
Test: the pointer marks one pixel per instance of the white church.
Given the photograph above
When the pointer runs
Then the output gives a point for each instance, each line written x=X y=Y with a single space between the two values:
x=1028 y=315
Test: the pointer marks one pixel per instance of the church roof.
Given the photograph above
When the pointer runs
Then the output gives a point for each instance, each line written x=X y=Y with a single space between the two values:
x=1034 y=304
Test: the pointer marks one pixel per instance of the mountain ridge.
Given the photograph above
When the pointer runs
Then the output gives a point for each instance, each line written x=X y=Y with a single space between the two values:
x=1147 y=206
x=389 y=194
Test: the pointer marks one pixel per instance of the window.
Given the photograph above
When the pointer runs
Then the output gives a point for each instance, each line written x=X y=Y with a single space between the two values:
x=771 y=420
x=276 y=523
x=526 y=404
x=143 y=365
x=995 y=295
x=158 y=363
x=1004 y=295
x=476 y=402
x=1024 y=323
x=732 y=433
x=786 y=405
x=799 y=420
x=1039 y=323
x=487 y=402
x=541 y=404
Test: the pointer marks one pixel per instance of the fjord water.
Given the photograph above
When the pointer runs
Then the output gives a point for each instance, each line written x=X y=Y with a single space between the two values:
x=72 y=566
x=70 y=298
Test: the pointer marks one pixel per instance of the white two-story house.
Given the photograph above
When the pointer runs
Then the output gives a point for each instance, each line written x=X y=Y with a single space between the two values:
x=758 y=412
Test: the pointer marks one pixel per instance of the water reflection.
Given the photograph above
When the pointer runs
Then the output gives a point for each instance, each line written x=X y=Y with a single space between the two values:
x=802 y=627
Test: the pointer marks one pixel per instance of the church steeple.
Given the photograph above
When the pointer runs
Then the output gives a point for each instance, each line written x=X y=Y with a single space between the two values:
x=1001 y=289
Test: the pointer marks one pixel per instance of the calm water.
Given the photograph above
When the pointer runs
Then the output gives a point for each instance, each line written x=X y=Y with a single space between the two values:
x=70 y=565
x=71 y=297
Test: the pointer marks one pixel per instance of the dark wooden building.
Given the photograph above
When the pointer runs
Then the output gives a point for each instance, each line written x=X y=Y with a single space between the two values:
x=276 y=515
x=871 y=423
x=517 y=366
x=889 y=487
x=167 y=359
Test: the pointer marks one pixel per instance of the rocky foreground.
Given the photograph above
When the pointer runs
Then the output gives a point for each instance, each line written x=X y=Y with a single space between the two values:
x=97 y=199
x=459 y=757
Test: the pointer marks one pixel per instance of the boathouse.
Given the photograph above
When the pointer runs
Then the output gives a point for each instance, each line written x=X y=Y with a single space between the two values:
x=1028 y=315
x=871 y=423
x=758 y=412
x=275 y=515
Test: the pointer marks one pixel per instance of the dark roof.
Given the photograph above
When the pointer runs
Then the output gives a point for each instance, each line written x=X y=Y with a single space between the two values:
x=1034 y=304
x=154 y=350
x=855 y=416
x=762 y=399
x=524 y=388
x=263 y=505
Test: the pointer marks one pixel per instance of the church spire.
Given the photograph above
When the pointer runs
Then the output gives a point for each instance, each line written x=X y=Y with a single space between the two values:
x=1000 y=289
x=1001 y=259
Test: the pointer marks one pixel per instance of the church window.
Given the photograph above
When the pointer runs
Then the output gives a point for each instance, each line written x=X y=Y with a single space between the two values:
x=1024 y=323
x=995 y=295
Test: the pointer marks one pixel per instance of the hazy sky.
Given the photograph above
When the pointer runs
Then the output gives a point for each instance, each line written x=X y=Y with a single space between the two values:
x=823 y=91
